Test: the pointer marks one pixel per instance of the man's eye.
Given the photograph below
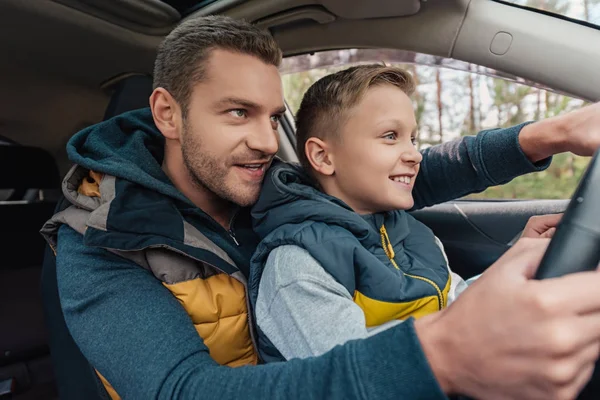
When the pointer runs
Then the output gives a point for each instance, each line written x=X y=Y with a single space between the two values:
x=275 y=120
x=390 y=136
x=238 y=112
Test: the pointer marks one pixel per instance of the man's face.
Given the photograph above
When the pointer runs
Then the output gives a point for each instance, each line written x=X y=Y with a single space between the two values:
x=230 y=134
x=376 y=162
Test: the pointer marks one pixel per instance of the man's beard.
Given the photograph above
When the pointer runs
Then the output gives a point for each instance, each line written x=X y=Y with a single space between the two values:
x=210 y=174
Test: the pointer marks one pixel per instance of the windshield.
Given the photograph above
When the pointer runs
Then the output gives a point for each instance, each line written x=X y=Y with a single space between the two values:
x=581 y=10
x=187 y=6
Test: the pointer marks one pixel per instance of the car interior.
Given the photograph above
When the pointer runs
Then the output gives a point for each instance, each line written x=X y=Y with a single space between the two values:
x=68 y=64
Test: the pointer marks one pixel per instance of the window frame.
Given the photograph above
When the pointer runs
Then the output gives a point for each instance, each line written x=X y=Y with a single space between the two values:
x=550 y=14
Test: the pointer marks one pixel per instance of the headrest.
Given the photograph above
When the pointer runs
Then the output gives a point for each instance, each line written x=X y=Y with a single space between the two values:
x=129 y=94
x=24 y=167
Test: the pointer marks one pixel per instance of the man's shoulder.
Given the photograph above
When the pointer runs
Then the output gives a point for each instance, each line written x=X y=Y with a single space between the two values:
x=72 y=251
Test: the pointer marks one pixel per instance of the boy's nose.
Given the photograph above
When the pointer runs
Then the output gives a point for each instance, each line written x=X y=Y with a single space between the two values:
x=412 y=156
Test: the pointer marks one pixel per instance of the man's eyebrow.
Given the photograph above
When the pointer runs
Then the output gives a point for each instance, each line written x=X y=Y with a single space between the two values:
x=235 y=101
x=281 y=110
x=229 y=101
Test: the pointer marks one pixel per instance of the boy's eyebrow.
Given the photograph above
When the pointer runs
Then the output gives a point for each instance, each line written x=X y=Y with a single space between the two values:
x=399 y=123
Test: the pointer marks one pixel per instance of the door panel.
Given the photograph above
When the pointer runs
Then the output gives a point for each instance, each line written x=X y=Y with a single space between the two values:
x=477 y=233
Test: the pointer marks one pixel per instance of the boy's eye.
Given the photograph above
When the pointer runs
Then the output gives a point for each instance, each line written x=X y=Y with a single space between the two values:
x=238 y=113
x=413 y=140
x=390 y=136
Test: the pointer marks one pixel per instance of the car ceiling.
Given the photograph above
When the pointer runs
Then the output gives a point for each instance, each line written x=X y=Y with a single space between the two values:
x=60 y=57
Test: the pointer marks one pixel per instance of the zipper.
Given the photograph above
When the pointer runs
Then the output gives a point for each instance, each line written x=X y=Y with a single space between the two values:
x=230 y=230
x=52 y=248
x=243 y=282
x=389 y=252
x=232 y=235
x=250 y=326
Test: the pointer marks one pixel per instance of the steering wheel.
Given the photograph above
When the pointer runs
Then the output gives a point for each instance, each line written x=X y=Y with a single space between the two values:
x=575 y=246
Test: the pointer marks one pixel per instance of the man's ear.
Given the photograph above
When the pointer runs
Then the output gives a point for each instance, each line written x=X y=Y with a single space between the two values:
x=166 y=113
x=319 y=156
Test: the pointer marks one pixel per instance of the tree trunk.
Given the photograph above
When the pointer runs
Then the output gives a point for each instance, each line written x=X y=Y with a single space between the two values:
x=538 y=111
x=472 y=128
x=586 y=10
x=479 y=114
x=570 y=165
x=418 y=101
x=440 y=107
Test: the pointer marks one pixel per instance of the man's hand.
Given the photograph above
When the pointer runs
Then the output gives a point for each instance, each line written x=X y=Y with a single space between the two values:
x=577 y=132
x=511 y=337
x=541 y=226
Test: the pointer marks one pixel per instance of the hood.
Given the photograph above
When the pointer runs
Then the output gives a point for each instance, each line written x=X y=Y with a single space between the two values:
x=134 y=204
x=288 y=197
x=129 y=147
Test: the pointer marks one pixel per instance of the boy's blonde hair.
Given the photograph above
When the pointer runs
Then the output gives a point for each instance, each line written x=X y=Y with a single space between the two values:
x=326 y=104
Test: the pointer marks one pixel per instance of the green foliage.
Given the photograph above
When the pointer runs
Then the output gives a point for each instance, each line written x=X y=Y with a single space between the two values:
x=557 y=182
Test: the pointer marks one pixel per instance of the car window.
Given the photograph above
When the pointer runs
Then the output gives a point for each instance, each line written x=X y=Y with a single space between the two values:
x=454 y=99
x=577 y=10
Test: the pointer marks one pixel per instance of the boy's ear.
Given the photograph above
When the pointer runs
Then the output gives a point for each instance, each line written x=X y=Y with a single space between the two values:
x=166 y=113
x=319 y=156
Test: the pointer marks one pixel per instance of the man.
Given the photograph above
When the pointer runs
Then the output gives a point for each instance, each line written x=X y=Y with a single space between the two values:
x=153 y=253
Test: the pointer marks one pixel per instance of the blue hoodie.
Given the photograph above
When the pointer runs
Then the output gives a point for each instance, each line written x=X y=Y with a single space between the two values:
x=133 y=330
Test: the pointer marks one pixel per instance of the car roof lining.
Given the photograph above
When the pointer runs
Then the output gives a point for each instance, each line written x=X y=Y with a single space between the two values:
x=543 y=48
x=147 y=16
x=60 y=57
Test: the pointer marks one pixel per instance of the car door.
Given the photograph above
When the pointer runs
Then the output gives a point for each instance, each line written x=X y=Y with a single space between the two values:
x=454 y=99
x=475 y=233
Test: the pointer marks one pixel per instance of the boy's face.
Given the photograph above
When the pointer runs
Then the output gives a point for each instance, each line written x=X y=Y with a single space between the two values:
x=375 y=159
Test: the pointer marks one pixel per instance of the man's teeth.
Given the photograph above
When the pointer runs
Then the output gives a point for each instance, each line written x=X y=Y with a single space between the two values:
x=403 y=179
x=253 y=166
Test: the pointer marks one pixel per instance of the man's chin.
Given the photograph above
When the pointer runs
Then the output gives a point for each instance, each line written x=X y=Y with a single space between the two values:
x=245 y=199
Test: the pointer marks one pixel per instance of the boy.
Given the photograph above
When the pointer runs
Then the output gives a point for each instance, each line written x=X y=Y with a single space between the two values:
x=339 y=258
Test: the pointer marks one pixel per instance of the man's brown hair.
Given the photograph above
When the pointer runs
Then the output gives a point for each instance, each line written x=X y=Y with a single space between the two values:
x=181 y=58
x=326 y=104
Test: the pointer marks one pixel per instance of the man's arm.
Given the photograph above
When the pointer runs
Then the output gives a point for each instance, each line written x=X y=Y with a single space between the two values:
x=510 y=336
x=137 y=335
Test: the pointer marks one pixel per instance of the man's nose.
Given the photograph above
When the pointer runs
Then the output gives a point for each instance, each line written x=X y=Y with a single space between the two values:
x=412 y=156
x=265 y=139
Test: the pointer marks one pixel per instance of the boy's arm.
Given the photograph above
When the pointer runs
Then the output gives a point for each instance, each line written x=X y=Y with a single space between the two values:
x=303 y=310
x=471 y=164
x=137 y=335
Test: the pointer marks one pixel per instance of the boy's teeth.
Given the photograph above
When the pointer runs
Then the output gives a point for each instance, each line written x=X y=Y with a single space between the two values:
x=403 y=179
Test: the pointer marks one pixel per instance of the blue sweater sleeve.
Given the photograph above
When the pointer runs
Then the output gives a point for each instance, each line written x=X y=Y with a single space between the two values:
x=137 y=335
x=471 y=164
